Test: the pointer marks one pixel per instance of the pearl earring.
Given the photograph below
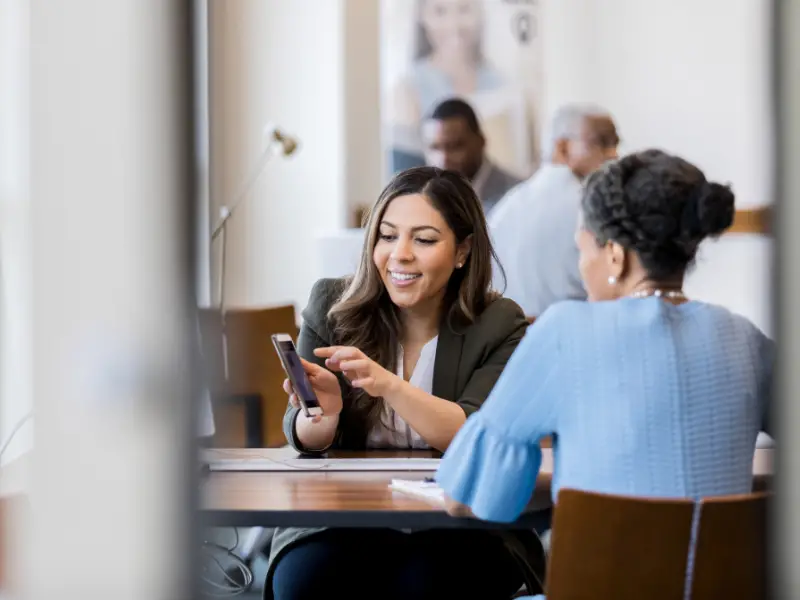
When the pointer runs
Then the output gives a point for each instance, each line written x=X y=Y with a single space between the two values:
x=612 y=280
x=459 y=265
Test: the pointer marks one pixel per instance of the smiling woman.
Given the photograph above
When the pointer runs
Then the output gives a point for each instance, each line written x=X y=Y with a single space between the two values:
x=400 y=354
x=426 y=263
x=415 y=261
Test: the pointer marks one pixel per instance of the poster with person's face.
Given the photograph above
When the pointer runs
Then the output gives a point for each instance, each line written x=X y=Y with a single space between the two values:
x=486 y=52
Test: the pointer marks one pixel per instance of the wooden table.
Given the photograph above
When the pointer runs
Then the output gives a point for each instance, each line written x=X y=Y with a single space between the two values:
x=356 y=498
x=333 y=498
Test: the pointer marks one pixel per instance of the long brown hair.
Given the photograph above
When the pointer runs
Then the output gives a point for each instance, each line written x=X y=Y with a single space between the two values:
x=365 y=316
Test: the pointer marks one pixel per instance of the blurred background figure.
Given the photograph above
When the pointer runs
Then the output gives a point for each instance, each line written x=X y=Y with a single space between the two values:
x=533 y=227
x=449 y=58
x=453 y=140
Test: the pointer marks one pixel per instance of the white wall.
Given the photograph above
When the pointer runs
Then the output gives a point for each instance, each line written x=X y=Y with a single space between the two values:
x=278 y=62
x=312 y=68
x=736 y=272
x=691 y=77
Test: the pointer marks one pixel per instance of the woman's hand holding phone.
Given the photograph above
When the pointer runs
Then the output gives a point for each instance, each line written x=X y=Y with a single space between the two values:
x=360 y=370
x=326 y=388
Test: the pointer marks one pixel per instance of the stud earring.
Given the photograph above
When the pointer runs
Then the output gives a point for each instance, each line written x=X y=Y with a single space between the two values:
x=612 y=280
x=459 y=265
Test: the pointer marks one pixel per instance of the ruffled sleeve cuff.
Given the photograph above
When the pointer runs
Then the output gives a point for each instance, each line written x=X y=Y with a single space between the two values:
x=486 y=471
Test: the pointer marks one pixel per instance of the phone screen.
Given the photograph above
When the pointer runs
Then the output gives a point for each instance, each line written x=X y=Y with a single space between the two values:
x=297 y=374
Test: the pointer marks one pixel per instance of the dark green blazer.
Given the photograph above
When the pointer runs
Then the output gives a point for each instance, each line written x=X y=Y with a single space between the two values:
x=467 y=365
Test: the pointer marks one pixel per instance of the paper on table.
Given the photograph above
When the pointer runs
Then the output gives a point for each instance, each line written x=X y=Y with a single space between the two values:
x=323 y=464
x=427 y=490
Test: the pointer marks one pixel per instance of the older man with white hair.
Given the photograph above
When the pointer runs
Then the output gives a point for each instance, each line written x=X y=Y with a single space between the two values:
x=533 y=226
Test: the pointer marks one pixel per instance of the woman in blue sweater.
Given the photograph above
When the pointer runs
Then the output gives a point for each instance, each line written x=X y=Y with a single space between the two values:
x=647 y=392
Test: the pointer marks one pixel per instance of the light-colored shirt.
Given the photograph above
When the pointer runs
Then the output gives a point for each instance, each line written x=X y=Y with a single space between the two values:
x=644 y=398
x=393 y=431
x=433 y=86
x=533 y=232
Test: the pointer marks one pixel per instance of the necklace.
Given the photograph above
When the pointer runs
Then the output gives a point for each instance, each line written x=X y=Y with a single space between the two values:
x=659 y=294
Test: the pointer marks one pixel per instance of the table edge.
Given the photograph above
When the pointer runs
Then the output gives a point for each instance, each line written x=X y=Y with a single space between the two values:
x=435 y=518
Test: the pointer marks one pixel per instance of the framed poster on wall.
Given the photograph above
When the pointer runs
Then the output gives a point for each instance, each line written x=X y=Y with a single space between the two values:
x=487 y=52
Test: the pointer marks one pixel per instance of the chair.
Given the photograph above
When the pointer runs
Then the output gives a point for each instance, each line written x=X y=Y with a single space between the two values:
x=730 y=555
x=606 y=546
x=249 y=407
x=615 y=547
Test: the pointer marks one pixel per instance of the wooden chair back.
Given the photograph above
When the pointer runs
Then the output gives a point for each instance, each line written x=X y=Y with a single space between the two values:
x=253 y=368
x=730 y=555
x=605 y=546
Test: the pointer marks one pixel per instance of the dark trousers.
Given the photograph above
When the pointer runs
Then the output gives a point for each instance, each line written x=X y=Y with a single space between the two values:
x=387 y=564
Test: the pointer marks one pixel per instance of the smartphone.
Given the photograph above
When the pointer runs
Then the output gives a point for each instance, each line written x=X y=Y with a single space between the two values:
x=290 y=360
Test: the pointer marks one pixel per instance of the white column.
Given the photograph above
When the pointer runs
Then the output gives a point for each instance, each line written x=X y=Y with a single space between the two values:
x=202 y=154
x=15 y=256
x=785 y=519
x=109 y=183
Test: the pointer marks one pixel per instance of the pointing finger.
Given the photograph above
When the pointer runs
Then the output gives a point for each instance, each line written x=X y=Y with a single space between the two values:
x=354 y=365
x=326 y=352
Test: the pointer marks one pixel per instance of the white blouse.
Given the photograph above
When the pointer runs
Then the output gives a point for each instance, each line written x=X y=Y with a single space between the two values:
x=393 y=431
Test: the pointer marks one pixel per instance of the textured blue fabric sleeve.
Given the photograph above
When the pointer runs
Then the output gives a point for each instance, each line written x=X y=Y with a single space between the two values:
x=492 y=463
x=491 y=475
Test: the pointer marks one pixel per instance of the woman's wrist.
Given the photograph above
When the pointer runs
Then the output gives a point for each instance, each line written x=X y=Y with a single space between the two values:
x=315 y=436
x=394 y=387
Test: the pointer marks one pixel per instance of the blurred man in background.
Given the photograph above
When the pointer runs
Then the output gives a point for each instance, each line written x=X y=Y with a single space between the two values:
x=453 y=140
x=533 y=227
